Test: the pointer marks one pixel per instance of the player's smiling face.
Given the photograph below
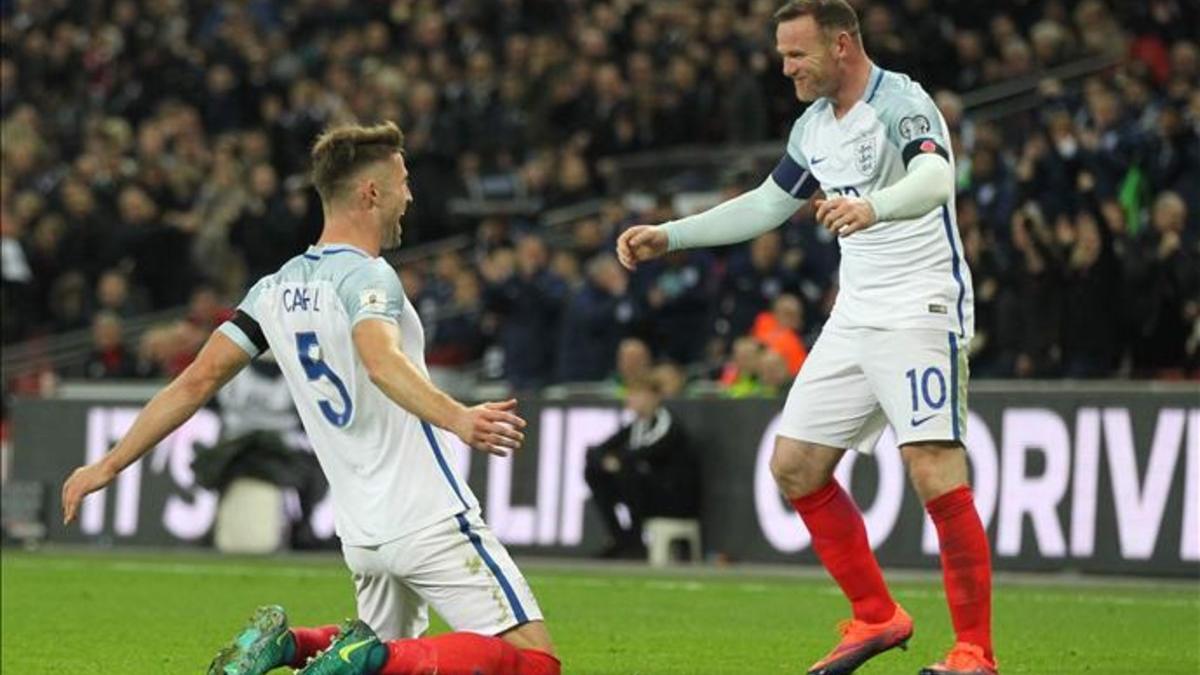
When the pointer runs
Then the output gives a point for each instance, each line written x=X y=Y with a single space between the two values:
x=394 y=201
x=807 y=58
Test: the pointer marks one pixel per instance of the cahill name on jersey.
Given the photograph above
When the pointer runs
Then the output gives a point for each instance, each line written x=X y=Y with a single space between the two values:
x=895 y=274
x=389 y=472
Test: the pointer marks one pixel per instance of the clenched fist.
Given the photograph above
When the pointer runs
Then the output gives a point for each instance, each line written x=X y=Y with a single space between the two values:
x=640 y=243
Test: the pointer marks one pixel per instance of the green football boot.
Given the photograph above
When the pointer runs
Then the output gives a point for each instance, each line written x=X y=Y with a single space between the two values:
x=355 y=651
x=263 y=645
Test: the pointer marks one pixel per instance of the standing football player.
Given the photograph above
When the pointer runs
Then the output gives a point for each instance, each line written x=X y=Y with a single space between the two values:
x=352 y=349
x=894 y=349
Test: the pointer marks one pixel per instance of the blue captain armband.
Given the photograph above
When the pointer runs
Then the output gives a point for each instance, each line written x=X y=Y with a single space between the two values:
x=794 y=179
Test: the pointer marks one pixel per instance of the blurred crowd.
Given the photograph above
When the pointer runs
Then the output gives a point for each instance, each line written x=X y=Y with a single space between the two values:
x=154 y=155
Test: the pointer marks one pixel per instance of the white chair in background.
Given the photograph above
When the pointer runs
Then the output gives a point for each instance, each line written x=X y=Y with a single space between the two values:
x=250 y=518
x=662 y=532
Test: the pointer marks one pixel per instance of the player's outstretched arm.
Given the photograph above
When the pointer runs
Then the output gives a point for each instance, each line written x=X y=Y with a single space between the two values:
x=739 y=219
x=219 y=360
x=491 y=427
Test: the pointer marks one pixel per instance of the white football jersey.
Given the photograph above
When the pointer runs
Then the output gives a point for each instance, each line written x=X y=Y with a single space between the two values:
x=390 y=473
x=895 y=274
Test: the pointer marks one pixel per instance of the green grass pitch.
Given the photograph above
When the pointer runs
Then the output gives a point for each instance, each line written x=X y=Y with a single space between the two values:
x=132 y=613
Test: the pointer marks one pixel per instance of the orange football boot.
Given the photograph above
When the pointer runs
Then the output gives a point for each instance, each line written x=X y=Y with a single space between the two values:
x=964 y=659
x=862 y=641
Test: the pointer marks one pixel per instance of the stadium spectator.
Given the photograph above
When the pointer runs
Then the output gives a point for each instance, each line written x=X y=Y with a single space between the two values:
x=980 y=251
x=206 y=309
x=595 y=320
x=991 y=188
x=774 y=375
x=91 y=239
x=44 y=249
x=527 y=297
x=670 y=380
x=69 y=302
x=456 y=337
x=109 y=358
x=634 y=362
x=741 y=105
x=780 y=331
x=647 y=467
x=588 y=238
x=432 y=146
x=1029 y=310
x=18 y=279
x=565 y=265
x=154 y=352
x=1089 y=334
x=166 y=349
x=263 y=233
x=677 y=296
x=753 y=281
x=437 y=287
x=113 y=294
x=1162 y=273
x=1173 y=156
x=739 y=376
x=159 y=253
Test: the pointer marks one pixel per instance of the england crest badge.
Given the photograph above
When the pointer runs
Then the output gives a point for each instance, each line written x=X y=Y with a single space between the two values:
x=865 y=156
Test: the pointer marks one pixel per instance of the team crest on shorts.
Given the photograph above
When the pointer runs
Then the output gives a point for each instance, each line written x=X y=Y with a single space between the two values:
x=865 y=156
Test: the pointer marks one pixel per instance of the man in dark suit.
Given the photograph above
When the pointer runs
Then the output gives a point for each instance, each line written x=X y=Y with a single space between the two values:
x=647 y=467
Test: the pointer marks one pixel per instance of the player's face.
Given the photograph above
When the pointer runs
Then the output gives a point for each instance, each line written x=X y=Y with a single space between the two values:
x=394 y=200
x=807 y=59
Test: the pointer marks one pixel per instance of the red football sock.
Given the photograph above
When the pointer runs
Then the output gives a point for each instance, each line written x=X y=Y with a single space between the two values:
x=538 y=662
x=840 y=541
x=309 y=641
x=966 y=566
x=465 y=654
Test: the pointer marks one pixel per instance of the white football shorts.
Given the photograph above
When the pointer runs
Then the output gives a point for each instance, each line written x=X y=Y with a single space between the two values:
x=457 y=566
x=856 y=381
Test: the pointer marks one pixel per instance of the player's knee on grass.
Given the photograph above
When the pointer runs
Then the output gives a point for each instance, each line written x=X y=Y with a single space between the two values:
x=530 y=635
x=801 y=468
x=935 y=468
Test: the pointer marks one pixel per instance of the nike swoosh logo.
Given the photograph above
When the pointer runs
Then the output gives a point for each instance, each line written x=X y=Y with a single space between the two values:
x=817 y=160
x=346 y=651
x=918 y=422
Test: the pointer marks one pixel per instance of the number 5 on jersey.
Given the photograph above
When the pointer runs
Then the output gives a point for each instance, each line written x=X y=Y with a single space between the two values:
x=309 y=351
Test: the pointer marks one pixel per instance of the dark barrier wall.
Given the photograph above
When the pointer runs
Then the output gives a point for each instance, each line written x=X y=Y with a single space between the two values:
x=1095 y=481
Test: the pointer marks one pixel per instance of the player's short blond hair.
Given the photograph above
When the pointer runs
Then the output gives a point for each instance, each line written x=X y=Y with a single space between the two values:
x=831 y=16
x=341 y=152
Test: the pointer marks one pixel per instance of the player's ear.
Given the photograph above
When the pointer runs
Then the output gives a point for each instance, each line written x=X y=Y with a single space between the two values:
x=370 y=193
x=841 y=43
